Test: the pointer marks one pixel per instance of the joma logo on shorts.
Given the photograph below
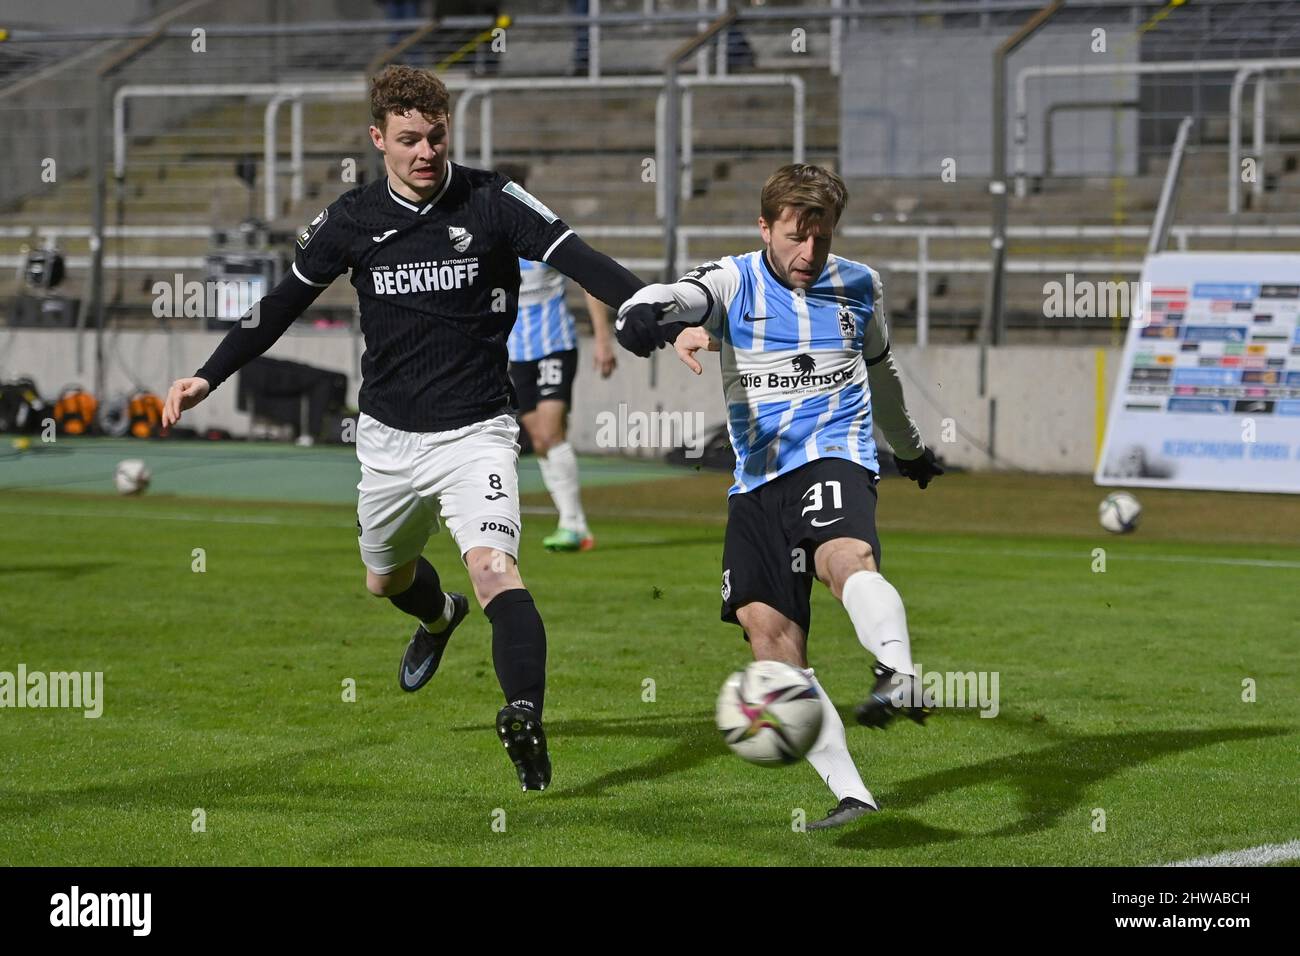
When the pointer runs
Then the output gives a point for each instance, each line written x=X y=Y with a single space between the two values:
x=496 y=526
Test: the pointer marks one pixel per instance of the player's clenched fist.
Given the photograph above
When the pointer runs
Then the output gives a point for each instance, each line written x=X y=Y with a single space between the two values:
x=641 y=329
x=184 y=393
x=921 y=470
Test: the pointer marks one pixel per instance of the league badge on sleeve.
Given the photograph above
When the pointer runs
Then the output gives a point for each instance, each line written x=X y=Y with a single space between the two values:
x=305 y=236
x=701 y=271
x=529 y=200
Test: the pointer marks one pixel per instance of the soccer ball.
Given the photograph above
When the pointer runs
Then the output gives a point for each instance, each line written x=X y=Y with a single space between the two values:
x=769 y=713
x=1119 y=513
x=132 y=476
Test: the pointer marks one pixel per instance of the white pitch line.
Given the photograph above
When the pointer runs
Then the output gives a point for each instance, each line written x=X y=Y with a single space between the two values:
x=146 y=516
x=245 y=519
x=1086 y=555
x=1253 y=856
x=538 y=510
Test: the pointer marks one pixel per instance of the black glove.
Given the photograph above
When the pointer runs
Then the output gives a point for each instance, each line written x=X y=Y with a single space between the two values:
x=641 y=328
x=920 y=470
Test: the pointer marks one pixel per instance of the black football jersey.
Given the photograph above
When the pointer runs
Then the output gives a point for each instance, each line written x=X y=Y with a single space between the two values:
x=438 y=285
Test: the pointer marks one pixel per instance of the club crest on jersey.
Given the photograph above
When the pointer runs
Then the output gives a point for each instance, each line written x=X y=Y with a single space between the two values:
x=460 y=238
x=312 y=228
x=848 y=325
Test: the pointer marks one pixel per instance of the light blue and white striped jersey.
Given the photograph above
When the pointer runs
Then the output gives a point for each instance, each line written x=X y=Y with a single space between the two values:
x=545 y=324
x=794 y=362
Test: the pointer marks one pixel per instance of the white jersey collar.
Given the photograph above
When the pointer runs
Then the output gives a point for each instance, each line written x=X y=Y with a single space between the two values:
x=407 y=204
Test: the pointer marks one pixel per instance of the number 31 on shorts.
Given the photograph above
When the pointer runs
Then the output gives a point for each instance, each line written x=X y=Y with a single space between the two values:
x=814 y=492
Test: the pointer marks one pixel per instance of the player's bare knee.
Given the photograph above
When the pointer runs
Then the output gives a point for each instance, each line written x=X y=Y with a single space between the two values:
x=491 y=571
x=380 y=585
x=840 y=561
x=772 y=635
x=394 y=582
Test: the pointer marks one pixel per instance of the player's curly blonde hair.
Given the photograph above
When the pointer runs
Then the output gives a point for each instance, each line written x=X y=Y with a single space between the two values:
x=400 y=89
x=811 y=191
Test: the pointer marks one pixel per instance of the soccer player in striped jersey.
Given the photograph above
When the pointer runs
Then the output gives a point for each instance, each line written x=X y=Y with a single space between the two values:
x=543 y=363
x=806 y=369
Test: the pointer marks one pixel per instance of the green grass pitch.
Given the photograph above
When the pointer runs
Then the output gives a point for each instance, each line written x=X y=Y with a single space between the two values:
x=224 y=690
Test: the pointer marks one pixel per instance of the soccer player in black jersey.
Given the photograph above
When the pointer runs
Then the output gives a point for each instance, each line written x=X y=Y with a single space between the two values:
x=433 y=249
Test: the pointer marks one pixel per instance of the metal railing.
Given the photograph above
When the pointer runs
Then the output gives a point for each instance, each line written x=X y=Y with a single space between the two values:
x=923 y=265
x=484 y=89
x=1169 y=190
x=1243 y=70
x=470 y=90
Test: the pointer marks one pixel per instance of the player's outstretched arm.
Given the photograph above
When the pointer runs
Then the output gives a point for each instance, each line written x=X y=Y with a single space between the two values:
x=888 y=408
x=252 y=335
x=657 y=314
x=597 y=273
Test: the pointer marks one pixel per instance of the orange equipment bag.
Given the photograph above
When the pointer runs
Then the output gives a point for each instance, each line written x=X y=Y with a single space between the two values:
x=145 y=412
x=74 y=412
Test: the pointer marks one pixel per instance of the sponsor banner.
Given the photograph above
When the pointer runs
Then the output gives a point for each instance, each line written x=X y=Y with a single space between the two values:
x=1224 y=290
x=1210 y=399
x=1216 y=333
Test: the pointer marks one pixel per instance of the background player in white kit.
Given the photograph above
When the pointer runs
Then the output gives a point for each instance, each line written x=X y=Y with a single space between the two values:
x=433 y=249
x=543 y=364
x=805 y=364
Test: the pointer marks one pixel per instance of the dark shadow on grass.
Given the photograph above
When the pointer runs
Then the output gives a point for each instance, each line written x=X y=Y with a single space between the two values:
x=63 y=572
x=1051 y=781
x=696 y=742
x=274 y=778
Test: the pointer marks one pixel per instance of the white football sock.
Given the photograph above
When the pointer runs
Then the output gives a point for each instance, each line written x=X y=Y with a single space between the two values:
x=878 y=617
x=439 y=625
x=560 y=474
x=830 y=754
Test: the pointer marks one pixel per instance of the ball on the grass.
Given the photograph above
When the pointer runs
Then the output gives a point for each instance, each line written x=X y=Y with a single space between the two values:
x=1119 y=513
x=770 y=713
x=132 y=476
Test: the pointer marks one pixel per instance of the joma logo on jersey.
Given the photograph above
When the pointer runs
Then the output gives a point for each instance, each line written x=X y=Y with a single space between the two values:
x=423 y=278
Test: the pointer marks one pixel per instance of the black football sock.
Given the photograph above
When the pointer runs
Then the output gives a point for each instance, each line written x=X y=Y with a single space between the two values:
x=518 y=647
x=425 y=599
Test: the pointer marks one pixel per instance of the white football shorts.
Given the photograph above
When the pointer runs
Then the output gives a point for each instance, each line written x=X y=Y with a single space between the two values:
x=469 y=473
